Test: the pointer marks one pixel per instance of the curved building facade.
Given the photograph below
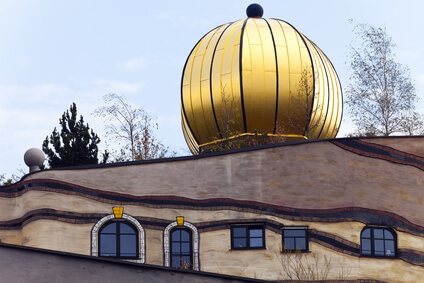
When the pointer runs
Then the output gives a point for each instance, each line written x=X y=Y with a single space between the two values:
x=354 y=202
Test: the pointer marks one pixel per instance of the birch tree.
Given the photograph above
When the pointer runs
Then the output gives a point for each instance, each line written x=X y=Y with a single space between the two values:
x=132 y=128
x=381 y=95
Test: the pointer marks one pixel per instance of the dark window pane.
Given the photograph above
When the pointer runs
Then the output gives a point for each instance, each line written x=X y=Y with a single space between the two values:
x=294 y=233
x=107 y=245
x=175 y=235
x=185 y=236
x=301 y=244
x=256 y=233
x=181 y=248
x=126 y=229
x=390 y=248
x=366 y=233
x=110 y=228
x=379 y=253
x=185 y=248
x=240 y=243
x=256 y=242
x=185 y=262
x=366 y=246
x=128 y=245
x=239 y=232
x=175 y=261
x=381 y=242
x=175 y=247
x=379 y=246
x=388 y=235
x=289 y=244
x=118 y=239
x=378 y=233
x=366 y=252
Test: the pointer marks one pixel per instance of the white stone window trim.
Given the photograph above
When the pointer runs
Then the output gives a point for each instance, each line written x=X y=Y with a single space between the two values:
x=132 y=220
x=195 y=238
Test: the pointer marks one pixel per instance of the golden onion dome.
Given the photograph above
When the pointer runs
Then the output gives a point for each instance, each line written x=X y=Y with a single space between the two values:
x=258 y=76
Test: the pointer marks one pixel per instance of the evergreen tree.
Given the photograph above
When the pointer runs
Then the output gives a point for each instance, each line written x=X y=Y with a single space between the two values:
x=76 y=144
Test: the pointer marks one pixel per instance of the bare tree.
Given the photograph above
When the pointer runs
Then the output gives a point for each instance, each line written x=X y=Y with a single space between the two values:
x=306 y=267
x=14 y=178
x=133 y=127
x=381 y=95
x=229 y=116
x=413 y=124
x=299 y=119
x=230 y=135
x=302 y=109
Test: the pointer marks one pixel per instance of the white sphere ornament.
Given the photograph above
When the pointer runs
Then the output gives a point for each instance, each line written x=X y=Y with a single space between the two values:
x=34 y=159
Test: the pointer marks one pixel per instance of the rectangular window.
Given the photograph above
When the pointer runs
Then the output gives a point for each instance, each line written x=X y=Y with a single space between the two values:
x=295 y=239
x=247 y=236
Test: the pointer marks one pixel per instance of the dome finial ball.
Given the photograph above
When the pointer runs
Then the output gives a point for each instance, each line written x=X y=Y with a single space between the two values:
x=254 y=11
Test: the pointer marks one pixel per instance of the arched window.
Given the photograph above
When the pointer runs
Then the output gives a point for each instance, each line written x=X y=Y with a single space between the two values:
x=118 y=239
x=181 y=246
x=378 y=241
x=121 y=238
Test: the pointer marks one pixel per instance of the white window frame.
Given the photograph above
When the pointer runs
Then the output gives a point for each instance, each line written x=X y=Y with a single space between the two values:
x=195 y=239
x=132 y=220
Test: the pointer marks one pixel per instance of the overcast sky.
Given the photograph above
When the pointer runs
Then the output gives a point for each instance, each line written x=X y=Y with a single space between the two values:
x=53 y=53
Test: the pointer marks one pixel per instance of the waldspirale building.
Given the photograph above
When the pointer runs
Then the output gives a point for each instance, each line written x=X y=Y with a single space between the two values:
x=348 y=208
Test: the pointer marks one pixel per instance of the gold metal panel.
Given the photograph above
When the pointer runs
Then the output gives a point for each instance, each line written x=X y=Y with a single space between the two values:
x=283 y=118
x=328 y=107
x=333 y=97
x=225 y=79
x=306 y=70
x=259 y=93
x=192 y=145
x=186 y=88
x=230 y=101
x=235 y=82
x=316 y=121
x=195 y=91
x=335 y=107
x=297 y=121
x=196 y=99
x=191 y=90
x=207 y=129
x=299 y=60
x=325 y=95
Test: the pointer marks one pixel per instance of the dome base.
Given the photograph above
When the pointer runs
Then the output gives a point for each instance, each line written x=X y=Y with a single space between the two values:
x=247 y=140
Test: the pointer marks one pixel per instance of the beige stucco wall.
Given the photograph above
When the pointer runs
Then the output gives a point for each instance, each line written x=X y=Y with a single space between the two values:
x=216 y=254
x=311 y=175
x=59 y=236
x=316 y=175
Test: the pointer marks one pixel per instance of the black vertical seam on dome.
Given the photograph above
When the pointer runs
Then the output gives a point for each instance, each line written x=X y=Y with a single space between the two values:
x=340 y=85
x=276 y=78
x=313 y=74
x=241 y=74
x=189 y=138
x=328 y=87
x=182 y=80
x=210 y=78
